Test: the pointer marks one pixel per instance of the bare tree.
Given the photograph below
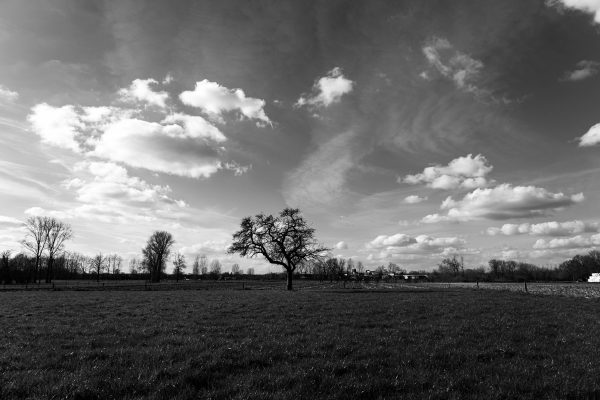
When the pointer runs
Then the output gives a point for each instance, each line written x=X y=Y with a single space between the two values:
x=134 y=266
x=235 y=269
x=285 y=240
x=98 y=265
x=250 y=271
x=196 y=266
x=215 y=267
x=203 y=263
x=57 y=233
x=157 y=252
x=35 y=241
x=360 y=268
x=178 y=265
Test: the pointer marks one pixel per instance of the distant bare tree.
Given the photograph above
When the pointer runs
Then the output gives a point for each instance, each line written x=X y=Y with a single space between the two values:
x=250 y=271
x=203 y=264
x=196 y=266
x=285 y=240
x=134 y=266
x=114 y=262
x=178 y=265
x=98 y=265
x=235 y=269
x=57 y=233
x=35 y=241
x=215 y=267
x=157 y=252
x=360 y=268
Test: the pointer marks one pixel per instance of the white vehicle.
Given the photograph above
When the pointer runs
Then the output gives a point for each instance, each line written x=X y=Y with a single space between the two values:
x=595 y=277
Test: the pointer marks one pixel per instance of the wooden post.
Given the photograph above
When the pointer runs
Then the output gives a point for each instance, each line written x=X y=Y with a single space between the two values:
x=526 y=291
x=477 y=284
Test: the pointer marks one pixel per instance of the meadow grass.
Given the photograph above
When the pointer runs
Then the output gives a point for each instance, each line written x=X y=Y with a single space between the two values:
x=307 y=344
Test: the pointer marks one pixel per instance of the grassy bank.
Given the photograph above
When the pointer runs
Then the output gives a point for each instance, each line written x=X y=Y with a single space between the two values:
x=305 y=344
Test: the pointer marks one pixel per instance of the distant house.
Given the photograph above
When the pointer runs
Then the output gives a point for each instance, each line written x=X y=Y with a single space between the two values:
x=595 y=277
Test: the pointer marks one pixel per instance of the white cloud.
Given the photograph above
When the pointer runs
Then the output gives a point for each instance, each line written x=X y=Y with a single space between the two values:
x=551 y=228
x=8 y=95
x=588 y=6
x=215 y=100
x=463 y=172
x=140 y=90
x=591 y=137
x=414 y=199
x=462 y=69
x=196 y=127
x=585 y=69
x=503 y=202
x=341 y=245
x=403 y=244
x=328 y=90
x=209 y=248
x=4 y=220
x=57 y=126
x=156 y=147
x=567 y=243
x=111 y=184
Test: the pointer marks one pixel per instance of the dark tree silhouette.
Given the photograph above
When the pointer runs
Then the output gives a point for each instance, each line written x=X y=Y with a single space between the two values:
x=35 y=240
x=285 y=240
x=157 y=252
x=57 y=233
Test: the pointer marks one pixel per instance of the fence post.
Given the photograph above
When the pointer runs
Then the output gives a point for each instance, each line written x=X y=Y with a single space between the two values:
x=526 y=291
x=478 y=284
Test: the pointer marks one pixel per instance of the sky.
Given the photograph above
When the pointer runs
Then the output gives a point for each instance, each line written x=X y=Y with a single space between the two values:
x=405 y=131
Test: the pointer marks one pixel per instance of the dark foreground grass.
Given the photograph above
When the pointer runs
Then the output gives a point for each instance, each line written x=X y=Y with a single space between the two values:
x=306 y=344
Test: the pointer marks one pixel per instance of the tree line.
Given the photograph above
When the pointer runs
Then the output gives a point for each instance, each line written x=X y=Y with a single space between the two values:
x=285 y=240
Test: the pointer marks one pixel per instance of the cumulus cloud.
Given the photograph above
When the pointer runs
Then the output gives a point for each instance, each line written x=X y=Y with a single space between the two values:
x=584 y=69
x=503 y=202
x=591 y=137
x=401 y=243
x=57 y=126
x=141 y=90
x=567 y=243
x=414 y=199
x=196 y=127
x=214 y=100
x=156 y=147
x=463 y=172
x=341 y=245
x=462 y=69
x=8 y=95
x=327 y=90
x=111 y=184
x=551 y=228
x=588 y=6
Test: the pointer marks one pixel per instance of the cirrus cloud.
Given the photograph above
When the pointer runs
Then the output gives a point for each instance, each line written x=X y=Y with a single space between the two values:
x=567 y=243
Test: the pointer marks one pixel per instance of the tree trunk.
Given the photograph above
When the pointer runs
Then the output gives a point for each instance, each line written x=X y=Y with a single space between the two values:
x=289 y=279
x=49 y=269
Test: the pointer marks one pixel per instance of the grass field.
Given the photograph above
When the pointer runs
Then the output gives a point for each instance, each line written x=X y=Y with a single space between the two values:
x=321 y=343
